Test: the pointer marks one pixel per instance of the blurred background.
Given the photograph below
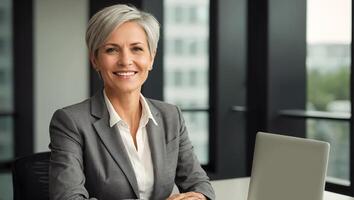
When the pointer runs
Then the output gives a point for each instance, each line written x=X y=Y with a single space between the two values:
x=234 y=67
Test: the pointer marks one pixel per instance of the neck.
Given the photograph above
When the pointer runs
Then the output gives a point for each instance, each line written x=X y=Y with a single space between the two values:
x=127 y=106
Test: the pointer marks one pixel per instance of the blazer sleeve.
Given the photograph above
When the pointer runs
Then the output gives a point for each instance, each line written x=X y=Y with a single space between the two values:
x=189 y=174
x=66 y=176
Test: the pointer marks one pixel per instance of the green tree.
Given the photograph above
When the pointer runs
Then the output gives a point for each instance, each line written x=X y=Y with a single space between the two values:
x=324 y=87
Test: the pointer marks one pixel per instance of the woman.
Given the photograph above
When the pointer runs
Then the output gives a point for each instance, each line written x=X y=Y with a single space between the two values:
x=118 y=144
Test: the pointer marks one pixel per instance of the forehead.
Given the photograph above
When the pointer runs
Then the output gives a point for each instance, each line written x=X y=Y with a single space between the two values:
x=128 y=32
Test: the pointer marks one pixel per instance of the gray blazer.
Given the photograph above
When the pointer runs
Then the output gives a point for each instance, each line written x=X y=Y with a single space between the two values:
x=89 y=160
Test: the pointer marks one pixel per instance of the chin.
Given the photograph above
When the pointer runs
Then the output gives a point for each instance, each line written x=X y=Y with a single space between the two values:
x=128 y=89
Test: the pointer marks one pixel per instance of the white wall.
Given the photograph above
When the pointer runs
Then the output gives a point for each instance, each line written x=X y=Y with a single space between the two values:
x=61 y=70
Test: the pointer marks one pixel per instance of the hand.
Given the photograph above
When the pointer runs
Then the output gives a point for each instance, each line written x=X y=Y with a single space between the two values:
x=187 y=196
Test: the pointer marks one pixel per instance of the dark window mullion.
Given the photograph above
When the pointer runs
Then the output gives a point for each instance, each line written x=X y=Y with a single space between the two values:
x=5 y=166
x=308 y=114
x=195 y=110
x=7 y=114
x=351 y=146
x=23 y=77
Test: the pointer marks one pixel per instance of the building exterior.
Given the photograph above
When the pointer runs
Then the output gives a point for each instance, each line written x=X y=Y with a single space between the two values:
x=186 y=66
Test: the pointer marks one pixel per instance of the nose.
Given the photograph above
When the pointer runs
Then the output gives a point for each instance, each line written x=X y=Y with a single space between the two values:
x=125 y=58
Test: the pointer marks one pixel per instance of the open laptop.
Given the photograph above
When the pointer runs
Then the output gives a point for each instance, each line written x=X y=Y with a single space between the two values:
x=288 y=168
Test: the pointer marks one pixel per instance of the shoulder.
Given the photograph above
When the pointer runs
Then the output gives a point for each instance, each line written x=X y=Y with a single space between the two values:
x=168 y=112
x=163 y=108
x=80 y=107
x=78 y=111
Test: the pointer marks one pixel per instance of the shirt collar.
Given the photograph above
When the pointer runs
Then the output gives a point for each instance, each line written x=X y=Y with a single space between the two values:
x=146 y=109
x=114 y=118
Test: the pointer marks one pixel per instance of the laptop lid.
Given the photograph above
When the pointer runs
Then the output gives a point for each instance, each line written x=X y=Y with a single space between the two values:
x=288 y=168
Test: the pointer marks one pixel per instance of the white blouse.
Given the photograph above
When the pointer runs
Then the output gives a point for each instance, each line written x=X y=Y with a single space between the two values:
x=140 y=157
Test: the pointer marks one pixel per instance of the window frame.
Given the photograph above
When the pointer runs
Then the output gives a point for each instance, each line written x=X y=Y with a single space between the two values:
x=265 y=46
x=22 y=80
x=211 y=79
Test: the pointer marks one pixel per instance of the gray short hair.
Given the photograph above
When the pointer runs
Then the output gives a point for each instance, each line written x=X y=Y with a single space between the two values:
x=103 y=23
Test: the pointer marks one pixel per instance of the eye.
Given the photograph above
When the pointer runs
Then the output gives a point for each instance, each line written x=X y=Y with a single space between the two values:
x=111 y=50
x=137 y=49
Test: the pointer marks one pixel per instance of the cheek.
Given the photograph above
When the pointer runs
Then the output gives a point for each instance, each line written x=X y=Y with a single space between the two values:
x=145 y=63
x=106 y=63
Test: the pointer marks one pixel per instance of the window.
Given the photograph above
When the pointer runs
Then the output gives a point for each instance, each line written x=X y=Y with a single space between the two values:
x=6 y=98
x=2 y=46
x=179 y=49
x=184 y=65
x=179 y=13
x=178 y=78
x=328 y=80
x=2 y=76
x=6 y=87
x=169 y=47
x=193 y=15
x=2 y=15
x=193 y=47
x=193 y=78
x=307 y=79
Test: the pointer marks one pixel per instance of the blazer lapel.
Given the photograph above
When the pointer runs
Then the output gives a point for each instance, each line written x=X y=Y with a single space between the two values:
x=156 y=137
x=112 y=139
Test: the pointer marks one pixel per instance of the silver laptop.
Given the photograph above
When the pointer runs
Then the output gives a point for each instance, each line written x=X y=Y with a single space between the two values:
x=288 y=168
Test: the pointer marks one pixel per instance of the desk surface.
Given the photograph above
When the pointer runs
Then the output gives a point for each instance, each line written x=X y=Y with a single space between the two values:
x=237 y=188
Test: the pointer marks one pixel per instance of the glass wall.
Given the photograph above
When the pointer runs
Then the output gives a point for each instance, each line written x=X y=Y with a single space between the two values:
x=5 y=56
x=328 y=79
x=186 y=66
x=6 y=97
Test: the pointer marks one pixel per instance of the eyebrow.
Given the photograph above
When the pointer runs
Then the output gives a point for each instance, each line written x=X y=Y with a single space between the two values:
x=116 y=45
x=136 y=43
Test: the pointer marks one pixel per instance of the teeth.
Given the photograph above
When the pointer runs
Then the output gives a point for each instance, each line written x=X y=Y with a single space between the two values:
x=125 y=73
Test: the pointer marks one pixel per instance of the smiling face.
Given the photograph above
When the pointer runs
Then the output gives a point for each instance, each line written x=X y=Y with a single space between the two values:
x=124 y=60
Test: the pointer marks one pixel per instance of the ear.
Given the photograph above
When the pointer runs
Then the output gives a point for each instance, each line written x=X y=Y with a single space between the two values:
x=93 y=60
x=150 y=67
x=152 y=60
